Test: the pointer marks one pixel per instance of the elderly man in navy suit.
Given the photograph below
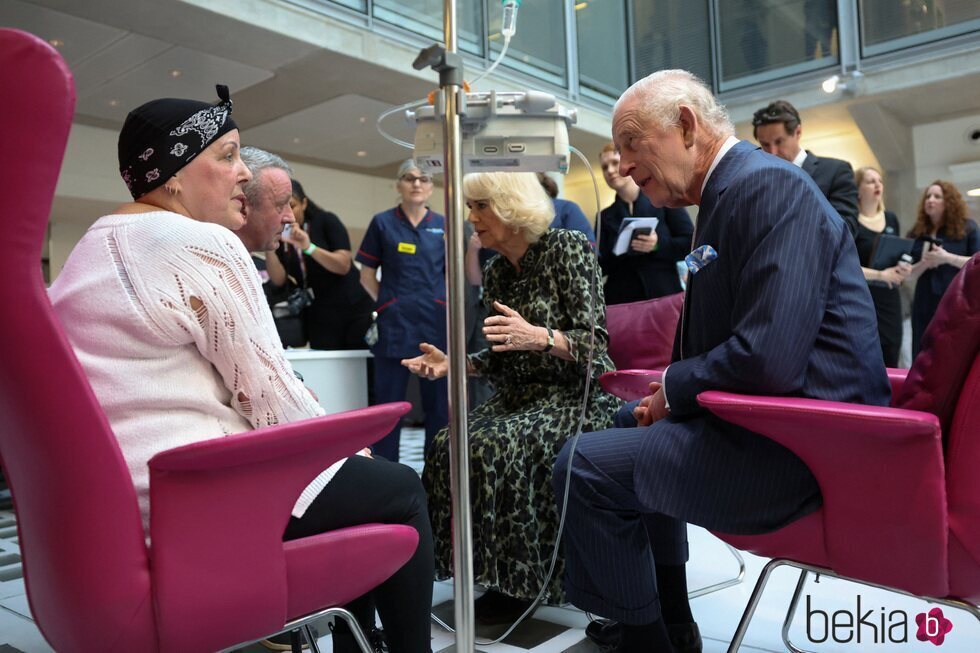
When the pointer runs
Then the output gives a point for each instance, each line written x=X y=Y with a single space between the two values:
x=778 y=129
x=776 y=304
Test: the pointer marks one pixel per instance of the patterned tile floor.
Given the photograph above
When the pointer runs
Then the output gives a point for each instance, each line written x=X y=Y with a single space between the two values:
x=561 y=630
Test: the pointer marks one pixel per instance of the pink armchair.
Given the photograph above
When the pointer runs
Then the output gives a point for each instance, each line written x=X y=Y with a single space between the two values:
x=641 y=341
x=901 y=491
x=218 y=572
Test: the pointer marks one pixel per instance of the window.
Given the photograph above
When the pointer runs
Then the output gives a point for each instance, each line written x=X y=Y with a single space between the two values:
x=889 y=25
x=358 y=5
x=538 y=47
x=670 y=34
x=761 y=40
x=602 y=46
x=425 y=17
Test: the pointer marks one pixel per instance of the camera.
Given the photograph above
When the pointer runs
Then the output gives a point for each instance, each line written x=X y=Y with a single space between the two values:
x=294 y=305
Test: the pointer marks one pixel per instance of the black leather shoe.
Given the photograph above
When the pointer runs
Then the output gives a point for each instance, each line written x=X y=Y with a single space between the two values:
x=604 y=632
x=685 y=638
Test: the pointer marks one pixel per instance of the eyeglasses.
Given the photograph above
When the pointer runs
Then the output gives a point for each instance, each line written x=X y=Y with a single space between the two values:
x=774 y=113
x=411 y=179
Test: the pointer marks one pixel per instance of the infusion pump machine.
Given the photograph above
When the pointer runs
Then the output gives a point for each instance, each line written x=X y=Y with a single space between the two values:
x=523 y=131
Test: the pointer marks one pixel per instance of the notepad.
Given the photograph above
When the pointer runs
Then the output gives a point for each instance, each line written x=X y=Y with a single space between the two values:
x=626 y=232
x=888 y=250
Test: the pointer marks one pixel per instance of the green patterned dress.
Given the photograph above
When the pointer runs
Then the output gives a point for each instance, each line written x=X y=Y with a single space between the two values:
x=516 y=435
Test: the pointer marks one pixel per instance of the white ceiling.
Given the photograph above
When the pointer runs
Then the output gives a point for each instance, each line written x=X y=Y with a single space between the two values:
x=335 y=131
x=308 y=103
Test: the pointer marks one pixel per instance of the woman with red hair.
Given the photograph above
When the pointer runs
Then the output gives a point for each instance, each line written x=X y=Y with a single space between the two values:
x=945 y=240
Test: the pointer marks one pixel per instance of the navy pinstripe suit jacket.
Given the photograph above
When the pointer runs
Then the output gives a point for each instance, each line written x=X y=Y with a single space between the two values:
x=784 y=309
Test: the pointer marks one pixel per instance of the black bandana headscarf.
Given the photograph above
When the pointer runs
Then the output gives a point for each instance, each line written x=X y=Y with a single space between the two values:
x=161 y=137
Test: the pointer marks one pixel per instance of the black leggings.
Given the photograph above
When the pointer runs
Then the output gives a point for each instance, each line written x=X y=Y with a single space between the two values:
x=367 y=490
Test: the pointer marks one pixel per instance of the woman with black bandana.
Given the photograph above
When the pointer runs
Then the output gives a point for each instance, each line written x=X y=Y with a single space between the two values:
x=166 y=314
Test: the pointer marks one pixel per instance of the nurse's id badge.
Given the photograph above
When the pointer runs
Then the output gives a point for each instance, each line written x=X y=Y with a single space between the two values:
x=406 y=248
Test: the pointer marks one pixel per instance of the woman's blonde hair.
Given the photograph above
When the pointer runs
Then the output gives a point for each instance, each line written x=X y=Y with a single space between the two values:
x=516 y=198
x=859 y=179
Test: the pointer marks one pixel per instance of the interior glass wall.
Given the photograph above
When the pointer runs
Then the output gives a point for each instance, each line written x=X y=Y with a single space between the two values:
x=358 y=5
x=731 y=44
x=425 y=17
x=890 y=25
x=671 y=34
x=538 y=48
x=603 y=43
x=762 y=40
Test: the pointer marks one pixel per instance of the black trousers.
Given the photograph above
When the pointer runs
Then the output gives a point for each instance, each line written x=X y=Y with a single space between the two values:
x=374 y=490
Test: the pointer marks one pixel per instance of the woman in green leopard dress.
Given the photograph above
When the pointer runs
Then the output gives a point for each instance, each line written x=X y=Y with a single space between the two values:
x=539 y=291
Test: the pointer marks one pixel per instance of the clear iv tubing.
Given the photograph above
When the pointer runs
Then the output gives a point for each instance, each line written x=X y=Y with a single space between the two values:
x=403 y=107
x=574 y=440
x=493 y=66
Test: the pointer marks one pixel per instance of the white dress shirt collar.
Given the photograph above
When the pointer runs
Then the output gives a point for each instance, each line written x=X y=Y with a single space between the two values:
x=800 y=158
x=729 y=144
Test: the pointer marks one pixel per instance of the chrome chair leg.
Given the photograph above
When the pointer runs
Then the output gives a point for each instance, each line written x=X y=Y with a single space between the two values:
x=311 y=638
x=791 y=614
x=693 y=594
x=304 y=625
x=760 y=586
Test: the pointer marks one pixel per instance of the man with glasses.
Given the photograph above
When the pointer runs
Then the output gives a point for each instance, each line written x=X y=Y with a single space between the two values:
x=778 y=129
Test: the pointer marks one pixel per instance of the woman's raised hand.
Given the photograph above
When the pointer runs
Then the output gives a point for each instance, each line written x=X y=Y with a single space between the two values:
x=297 y=237
x=432 y=364
x=935 y=257
x=511 y=332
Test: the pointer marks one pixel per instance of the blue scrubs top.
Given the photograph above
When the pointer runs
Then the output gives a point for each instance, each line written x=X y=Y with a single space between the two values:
x=412 y=299
x=568 y=215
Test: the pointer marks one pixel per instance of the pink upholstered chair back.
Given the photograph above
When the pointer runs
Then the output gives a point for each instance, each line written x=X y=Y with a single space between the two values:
x=641 y=334
x=77 y=514
x=949 y=348
x=945 y=380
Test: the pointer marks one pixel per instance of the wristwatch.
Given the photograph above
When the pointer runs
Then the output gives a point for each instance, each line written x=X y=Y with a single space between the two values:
x=551 y=340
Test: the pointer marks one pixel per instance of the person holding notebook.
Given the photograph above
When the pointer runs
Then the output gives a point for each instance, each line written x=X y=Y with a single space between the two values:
x=873 y=223
x=648 y=268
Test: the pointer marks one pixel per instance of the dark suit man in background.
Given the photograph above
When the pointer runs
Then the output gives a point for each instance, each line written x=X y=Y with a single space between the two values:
x=648 y=269
x=778 y=129
x=778 y=305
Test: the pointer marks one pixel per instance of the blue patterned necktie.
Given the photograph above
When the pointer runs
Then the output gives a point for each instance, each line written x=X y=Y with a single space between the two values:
x=700 y=258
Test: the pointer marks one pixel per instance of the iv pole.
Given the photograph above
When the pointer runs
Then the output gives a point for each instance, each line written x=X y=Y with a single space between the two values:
x=450 y=69
x=450 y=104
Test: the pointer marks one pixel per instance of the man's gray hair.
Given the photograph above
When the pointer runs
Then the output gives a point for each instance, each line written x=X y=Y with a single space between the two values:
x=659 y=97
x=256 y=161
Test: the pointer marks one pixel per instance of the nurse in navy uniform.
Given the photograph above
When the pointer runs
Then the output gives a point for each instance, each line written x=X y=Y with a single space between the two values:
x=408 y=244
